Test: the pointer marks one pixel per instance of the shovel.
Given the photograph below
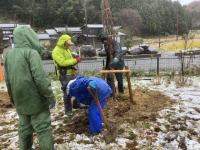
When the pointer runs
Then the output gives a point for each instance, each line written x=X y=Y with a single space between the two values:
x=111 y=135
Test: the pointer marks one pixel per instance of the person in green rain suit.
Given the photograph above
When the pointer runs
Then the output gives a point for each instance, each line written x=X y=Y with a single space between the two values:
x=64 y=63
x=29 y=89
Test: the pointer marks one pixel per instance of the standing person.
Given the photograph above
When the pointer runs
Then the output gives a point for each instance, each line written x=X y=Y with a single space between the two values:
x=117 y=62
x=29 y=89
x=78 y=88
x=64 y=63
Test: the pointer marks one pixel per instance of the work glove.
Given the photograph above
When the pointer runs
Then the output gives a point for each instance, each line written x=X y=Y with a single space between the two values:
x=93 y=84
x=78 y=59
x=115 y=60
x=52 y=105
x=114 y=63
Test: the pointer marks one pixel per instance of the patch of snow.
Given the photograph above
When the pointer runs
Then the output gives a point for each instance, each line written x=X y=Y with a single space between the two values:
x=184 y=114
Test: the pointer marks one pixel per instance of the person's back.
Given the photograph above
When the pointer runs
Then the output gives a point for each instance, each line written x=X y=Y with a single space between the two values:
x=78 y=88
x=29 y=88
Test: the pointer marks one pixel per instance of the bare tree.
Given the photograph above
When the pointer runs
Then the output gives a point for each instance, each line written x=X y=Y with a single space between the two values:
x=130 y=20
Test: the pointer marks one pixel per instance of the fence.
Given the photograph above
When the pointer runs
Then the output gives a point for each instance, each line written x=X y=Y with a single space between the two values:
x=148 y=65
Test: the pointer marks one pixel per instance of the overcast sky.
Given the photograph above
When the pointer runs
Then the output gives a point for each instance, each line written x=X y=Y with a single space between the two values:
x=185 y=2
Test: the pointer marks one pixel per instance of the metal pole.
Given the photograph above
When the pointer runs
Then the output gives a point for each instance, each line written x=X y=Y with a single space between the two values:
x=158 y=66
x=86 y=20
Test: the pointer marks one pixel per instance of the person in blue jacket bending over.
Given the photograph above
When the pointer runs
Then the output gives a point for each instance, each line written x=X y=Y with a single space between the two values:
x=78 y=88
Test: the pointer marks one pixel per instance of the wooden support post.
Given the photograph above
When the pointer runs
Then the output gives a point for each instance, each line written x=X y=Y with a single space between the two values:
x=113 y=86
x=103 y=74
x=129 y=85
x=127 y=71
x=1 y=73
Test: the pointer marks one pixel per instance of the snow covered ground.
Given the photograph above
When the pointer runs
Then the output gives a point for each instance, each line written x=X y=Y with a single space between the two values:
x=175 y=128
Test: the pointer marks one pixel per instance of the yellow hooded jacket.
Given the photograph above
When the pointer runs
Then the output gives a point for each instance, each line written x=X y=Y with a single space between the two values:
x=63 y=56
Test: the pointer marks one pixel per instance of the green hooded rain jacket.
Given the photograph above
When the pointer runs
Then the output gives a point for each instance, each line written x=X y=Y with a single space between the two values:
x=28 y=85
x=63 y=56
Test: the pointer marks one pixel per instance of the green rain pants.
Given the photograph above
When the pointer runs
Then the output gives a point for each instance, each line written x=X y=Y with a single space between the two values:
x=41 y=123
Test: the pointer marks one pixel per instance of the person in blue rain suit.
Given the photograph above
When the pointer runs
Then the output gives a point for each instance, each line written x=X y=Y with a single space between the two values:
x=78 y=88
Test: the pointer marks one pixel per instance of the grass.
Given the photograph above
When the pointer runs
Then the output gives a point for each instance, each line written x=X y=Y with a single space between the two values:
x=130 y=133
x=180 y=46
x=94 y=73
x=170 y=43
x=52 y=76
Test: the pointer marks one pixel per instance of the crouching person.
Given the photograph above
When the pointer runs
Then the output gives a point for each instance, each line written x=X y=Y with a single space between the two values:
x=78 y=88
x=29 y=89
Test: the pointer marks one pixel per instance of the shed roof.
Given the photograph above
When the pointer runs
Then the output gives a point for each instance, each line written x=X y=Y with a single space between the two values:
x=51 y=32
x=63 y=29
x=99 y=26
x=93 y=26
x=8 y=25
x=117 y=27
x=43 y=36
x=74 y=29
x=12 y=25
x=120 y=33
x=60 y=29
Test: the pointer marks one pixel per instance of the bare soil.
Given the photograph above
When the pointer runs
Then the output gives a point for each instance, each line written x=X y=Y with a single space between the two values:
x=5 y=100
x=148 y=103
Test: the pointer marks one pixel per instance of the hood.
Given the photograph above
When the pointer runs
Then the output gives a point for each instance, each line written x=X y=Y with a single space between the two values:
x=103 y=35
x=68 y=85
x=25 y=37
x=62 y=40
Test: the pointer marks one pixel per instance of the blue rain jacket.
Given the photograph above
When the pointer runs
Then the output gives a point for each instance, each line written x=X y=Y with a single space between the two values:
x=79 y=89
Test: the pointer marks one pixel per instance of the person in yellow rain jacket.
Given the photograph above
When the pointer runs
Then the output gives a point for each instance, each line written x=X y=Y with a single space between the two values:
x=64 y=63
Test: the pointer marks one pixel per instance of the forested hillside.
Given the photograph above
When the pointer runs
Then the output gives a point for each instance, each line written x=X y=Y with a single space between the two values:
x=139 y=17
x=194 y=14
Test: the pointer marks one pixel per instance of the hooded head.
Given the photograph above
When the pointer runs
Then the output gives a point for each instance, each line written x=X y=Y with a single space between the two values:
x=103 y=36
x=64 y=38
x=25 y=37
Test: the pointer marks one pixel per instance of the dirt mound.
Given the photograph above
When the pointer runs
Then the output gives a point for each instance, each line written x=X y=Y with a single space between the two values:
x=5 y=100
x=80 y=124
x=148 y=103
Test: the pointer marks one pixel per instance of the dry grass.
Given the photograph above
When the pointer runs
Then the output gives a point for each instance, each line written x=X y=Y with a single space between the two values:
x=170 y=43
x=179 y=45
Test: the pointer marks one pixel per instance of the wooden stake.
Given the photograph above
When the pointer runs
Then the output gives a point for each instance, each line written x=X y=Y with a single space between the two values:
x=115 y=71
x=103 y=74
x=1 y=73
x=129 y=85
x=127 y=71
